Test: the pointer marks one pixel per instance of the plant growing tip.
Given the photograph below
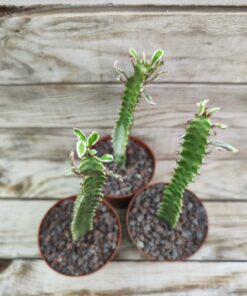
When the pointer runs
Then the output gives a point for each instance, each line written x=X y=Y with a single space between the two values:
x=133 y=53
x=94 y=175
x=145 y=71
x=193 y=150
x=157 y=56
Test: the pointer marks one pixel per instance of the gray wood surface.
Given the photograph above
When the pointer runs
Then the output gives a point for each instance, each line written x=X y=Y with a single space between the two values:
x=19 y=240
x=26 y=277
x=56 y=73
x=79 y=46
x=96 y=106
x=30 y=3
x=46 y=179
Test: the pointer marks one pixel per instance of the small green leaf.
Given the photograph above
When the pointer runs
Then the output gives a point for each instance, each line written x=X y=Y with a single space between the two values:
x=80 y=135
x=201 y=107
x=148 y=98
x=93 y=138
x=213 y=110
x=223 y=126
x=117 y=176
x=72 y=158
x=81 y=148
x=69 y=172
x=133 y=53
x=93 y=151
x=223 y=145
x=157 y=56
x=106 y=158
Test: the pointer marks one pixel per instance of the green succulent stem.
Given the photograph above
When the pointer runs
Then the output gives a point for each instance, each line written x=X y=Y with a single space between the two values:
x=193 y=150
x=130 y=99
x=94 y=176
x=134 y=89
x=89 y=197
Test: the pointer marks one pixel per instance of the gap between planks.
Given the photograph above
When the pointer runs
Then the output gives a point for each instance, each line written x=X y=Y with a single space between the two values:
x=113 y=83
x=14 y=9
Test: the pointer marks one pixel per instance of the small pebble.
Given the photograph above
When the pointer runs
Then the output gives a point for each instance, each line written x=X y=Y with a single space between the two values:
x=88 y=253
x=153 y=235
x=140 y=244
x=137 y=171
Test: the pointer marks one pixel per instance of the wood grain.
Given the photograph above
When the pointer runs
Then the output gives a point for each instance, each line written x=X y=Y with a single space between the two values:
x=96 y=106
x=46 y=179
x=227 y=220
x=28 y=3
x=34 y=278
x=56 y=143
x=56 y=72
x=81 y=47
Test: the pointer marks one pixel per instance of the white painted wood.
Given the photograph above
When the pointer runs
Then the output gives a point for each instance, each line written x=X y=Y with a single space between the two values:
x=227 y=220
x=28 y=3
x=56 y=143
x=217 y=180
x=81 y=46
x=125 y=279
x=45 y=179
x=97 y=106
x=36 y=178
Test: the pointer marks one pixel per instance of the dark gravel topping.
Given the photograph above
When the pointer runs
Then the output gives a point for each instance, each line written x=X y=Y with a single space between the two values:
x=137 y=172
x=153 y=236
x=85 y=255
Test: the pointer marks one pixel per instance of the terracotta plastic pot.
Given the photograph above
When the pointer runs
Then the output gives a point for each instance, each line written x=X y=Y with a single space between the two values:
x=111 y=256
x=143 y=252
x=122 y=201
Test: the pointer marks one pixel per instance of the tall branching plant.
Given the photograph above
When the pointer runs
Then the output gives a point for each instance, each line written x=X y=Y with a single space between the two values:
x=94 y=176
x=145 y=71
x=194 y=147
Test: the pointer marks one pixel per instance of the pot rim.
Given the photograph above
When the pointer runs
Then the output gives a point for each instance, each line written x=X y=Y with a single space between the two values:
x=143 y=252
x=73 y=197
x=151 y=154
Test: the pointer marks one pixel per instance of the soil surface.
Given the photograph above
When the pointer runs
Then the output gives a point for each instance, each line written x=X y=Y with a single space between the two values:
x=85 y=255
x=136 y=173
x=154 y=237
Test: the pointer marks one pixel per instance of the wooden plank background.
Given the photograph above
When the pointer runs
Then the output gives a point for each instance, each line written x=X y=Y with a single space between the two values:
x=81 y=46
x=56 y=72
x=28 y=3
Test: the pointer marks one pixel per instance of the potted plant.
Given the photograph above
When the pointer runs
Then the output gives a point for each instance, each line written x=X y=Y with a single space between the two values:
x=79 y=235
x=167 y=221
x=132 y=158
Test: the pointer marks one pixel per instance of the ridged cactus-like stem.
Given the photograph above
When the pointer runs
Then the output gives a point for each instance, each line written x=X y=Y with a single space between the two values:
x=90 y=196
x=193 y=150
x=130 y=99
x=134 y=89
x=94 y=175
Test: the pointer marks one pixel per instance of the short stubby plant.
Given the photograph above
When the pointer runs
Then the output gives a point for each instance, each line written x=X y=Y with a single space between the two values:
x=194 y=147
x=94 y=176
x=145 y=71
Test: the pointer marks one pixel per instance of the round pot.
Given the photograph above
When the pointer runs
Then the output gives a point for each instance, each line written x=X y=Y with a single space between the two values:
x=86 y=244
x=122 y=201
x=154 y=238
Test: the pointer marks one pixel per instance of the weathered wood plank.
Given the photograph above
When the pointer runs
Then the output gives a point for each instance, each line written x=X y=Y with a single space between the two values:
x=227 y=220
x=28 y=3
x=81 y=46
x=34 y=278
x=56 y=143
x=96 y=106
x=45 y=179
